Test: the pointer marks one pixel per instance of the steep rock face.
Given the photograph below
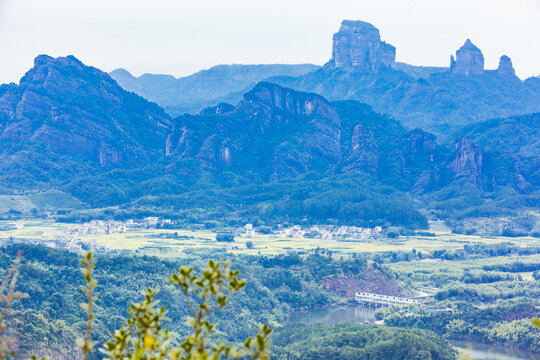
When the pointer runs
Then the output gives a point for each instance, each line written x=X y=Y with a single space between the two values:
x=434 y=99
x=420 y=153
x=420 y=147
x=80 y=111
x=215 y=153
x=510 y=151
x=363 y=154
x=357 y=46
x=305 y=125
x=278 y=131
x=410 y=156
x=505 y=67
x=467 y=161
x=522 y=186
x=424 y=158
x=469 y=60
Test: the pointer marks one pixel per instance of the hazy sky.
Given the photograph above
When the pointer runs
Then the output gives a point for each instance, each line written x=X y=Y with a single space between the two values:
x=180 y=37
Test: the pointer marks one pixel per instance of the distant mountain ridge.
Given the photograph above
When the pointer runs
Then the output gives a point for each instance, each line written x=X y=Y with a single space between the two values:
x=440 y=103
x=363 y=68
x=279 y=155
x=418 y=72
x=63 y=112
x=221 y=83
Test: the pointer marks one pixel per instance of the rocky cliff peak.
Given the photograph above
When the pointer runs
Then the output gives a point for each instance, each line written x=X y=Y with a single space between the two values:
x=421 y=146
x=505 y=66
x=468 y=61
x=79 y=110
x=357 y=46
x=68 y=74
x=275 y=130
x=278 y=98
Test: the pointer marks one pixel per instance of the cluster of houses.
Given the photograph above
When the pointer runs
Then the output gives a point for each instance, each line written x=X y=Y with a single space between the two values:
x=70 y=237
x=111 y=226
x=97 y=227
x=325 y=232
x=328 y=232
x=102 y=227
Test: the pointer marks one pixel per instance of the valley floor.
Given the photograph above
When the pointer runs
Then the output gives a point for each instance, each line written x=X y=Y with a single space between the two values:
x=173 y=242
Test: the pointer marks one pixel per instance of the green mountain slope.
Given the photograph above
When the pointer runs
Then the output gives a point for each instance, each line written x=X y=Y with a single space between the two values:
x=65 y=120
x=279 y=155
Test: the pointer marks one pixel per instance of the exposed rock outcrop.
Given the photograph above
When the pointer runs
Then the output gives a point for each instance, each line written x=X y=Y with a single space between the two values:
x=421 y=147
x=505 y=66
x=305 y=125
x=469 y=60
x=357 y=46
x=467 y=161
x=363 y=154
x=274 y=130
x=521 y=184
x=434 y=99
x=215 y=153
x=80 y=111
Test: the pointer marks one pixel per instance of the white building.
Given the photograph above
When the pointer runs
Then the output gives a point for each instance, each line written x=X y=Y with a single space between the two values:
x=151 y=220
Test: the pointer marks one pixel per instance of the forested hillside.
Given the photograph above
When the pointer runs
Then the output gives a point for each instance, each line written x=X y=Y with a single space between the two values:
x=49 y=321
x=278 y=155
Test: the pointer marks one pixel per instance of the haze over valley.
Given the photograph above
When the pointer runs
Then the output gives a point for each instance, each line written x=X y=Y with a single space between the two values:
x=376 y=209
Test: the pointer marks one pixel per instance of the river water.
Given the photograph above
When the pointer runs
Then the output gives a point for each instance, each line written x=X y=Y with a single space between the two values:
x=355 y=313
x=334 y=315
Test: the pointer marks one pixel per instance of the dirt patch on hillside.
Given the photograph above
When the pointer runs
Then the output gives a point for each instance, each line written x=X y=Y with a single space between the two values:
x=375 y=282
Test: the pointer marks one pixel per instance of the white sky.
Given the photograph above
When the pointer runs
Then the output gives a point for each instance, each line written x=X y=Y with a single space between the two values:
x=179 y=37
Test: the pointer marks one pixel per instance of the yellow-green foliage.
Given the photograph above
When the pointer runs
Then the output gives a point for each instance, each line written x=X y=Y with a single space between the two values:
x=145 y=338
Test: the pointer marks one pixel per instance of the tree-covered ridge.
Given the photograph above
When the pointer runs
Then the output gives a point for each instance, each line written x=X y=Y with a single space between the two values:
x=518 y=135
x=358 y=342
x=506 y=324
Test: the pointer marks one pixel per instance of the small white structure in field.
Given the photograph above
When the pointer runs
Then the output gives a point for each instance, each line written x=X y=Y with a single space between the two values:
x=248 y=231
x=151 y=220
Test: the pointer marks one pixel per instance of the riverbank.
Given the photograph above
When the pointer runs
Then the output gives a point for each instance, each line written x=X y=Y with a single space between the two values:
x=362 y=314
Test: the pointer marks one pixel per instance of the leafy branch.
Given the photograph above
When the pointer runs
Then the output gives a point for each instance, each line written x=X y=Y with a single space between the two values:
x=145 y=338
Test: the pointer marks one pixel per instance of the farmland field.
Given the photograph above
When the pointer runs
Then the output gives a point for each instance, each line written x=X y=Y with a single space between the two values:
x=172 y=242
